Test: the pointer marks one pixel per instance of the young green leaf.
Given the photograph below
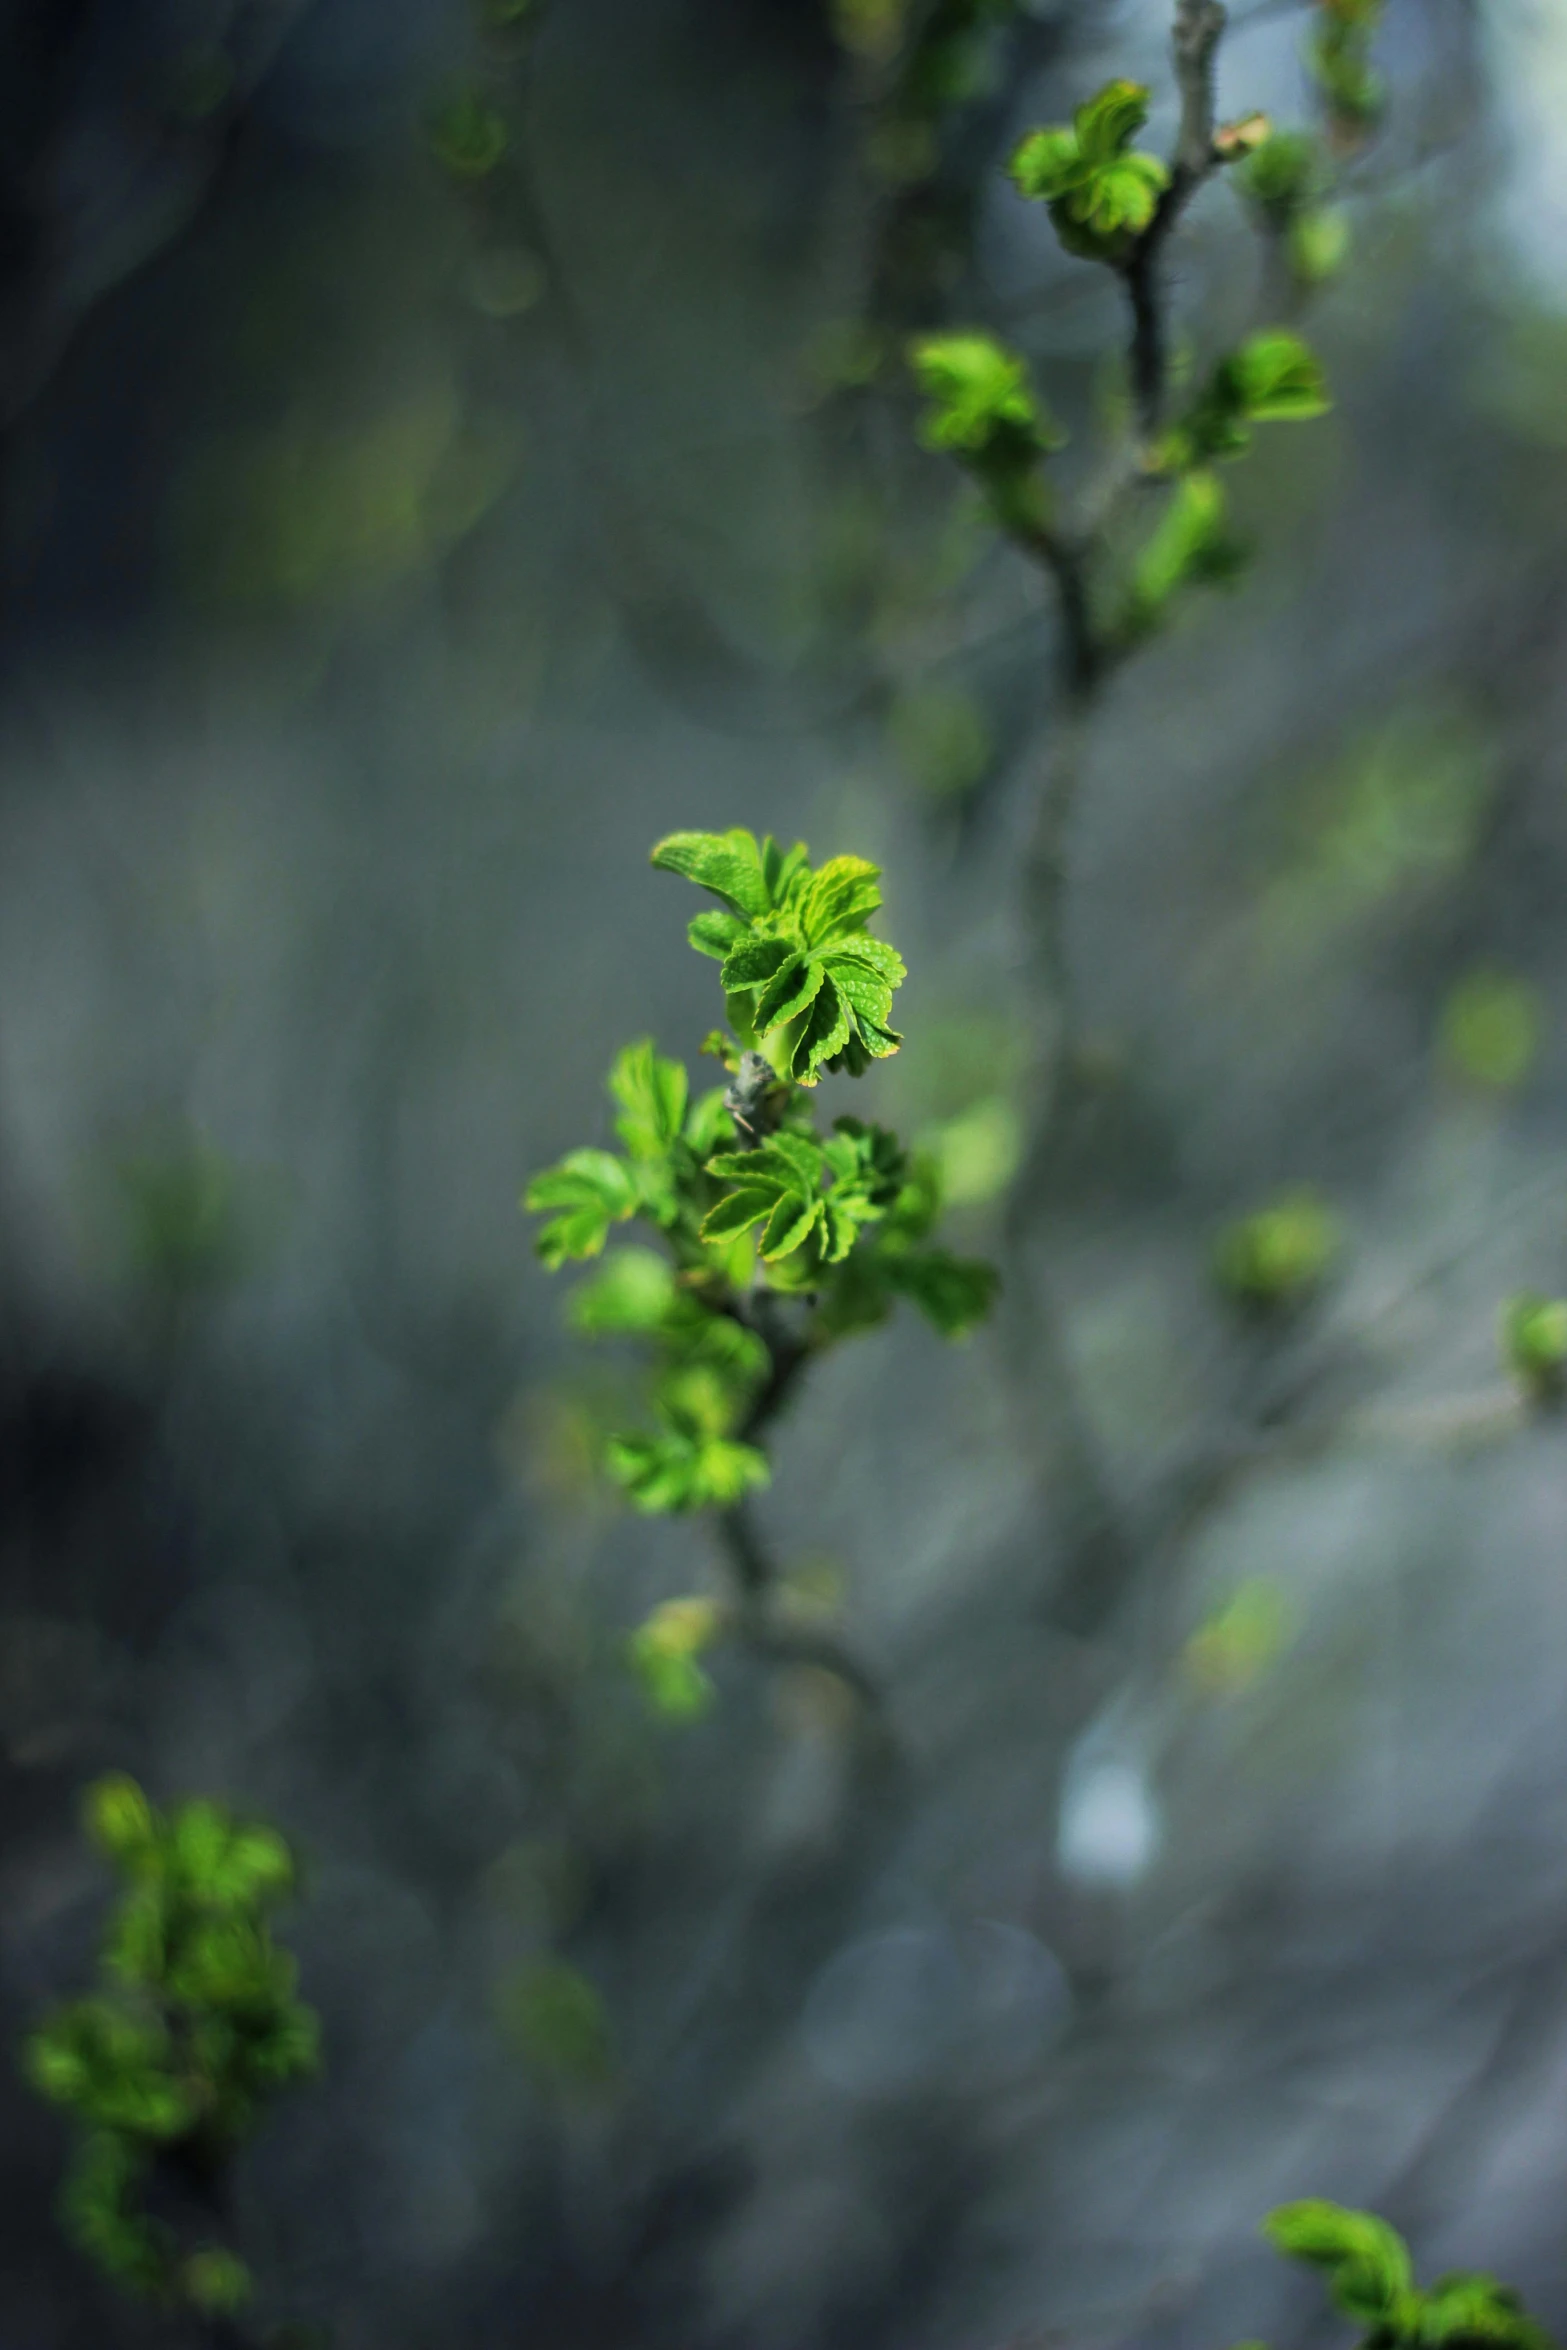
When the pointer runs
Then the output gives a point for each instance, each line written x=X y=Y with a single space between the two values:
x=1190 y=545
x=1104 y=124
x=727 y=863
x=1366 y=2261
x=1477 y=2308
x=981 y=406
x=119 y=1819
x=587 y=1192
x=1273 y=377
x=1103 y=195
x=652 y=1096
x=1277 y=378
x=674 y=1471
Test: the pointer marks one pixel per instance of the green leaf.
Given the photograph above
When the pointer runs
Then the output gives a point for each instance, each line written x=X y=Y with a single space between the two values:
x=1277 y=379
x=1477 y=2308
x=738 y=1210
x=1107 y=121
x=820 y=1032
x=1190 y=545
x=632 y=1294
x=1273 y=378
x=652 y=1097
x=792 y=989
x=134 y=1944
x=716 y=934
x=677 y=1686
x=788 y=1227
x=840 y=900
x=727 y=863
x=1102 y=195
x=1047 y=165
x=754 y=962
x=589 y=1190
x=257 y=1867
x=1366 y=2261
x=981 y=405
x=95 y=2212
x=118 y=1818
x=291 y=2049
x=1120 y=199
x=953 y=1293
x=199 y=1840
x=677 y=1472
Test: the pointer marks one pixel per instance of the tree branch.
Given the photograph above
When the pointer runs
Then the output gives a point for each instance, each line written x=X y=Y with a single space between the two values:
x=1199 y=27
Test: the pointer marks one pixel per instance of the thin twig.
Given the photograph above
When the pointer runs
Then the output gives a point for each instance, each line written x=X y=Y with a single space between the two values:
x=1199 y=26
x=753 y=1570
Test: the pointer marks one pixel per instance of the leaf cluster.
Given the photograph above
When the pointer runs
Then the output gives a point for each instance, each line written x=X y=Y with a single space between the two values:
x=984 y=413
x=777 y=1237
x=804 y=981
x=1370 y=2278
x=196 y=2025
x=1102 y=193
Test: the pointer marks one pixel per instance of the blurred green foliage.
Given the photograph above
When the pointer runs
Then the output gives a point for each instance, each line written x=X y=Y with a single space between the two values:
x=1241 y=1639
x=196 y=2027
x=942 y=740
x=193 y=1221
x=1399 y=812
x=665 y=1652
x=1276 y=1258
x=1339 y=54
x=557 y=2022
x=1491 y=1028
x=468 y=135
x=316 y=510
x=1370 y=2279
x=1534 y=1344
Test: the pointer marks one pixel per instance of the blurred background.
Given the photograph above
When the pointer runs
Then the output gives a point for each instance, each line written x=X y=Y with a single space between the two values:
x=439 y=453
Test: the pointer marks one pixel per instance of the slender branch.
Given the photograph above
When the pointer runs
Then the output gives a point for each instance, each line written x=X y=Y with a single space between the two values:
x=1199 y=27
x=753 y=1570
